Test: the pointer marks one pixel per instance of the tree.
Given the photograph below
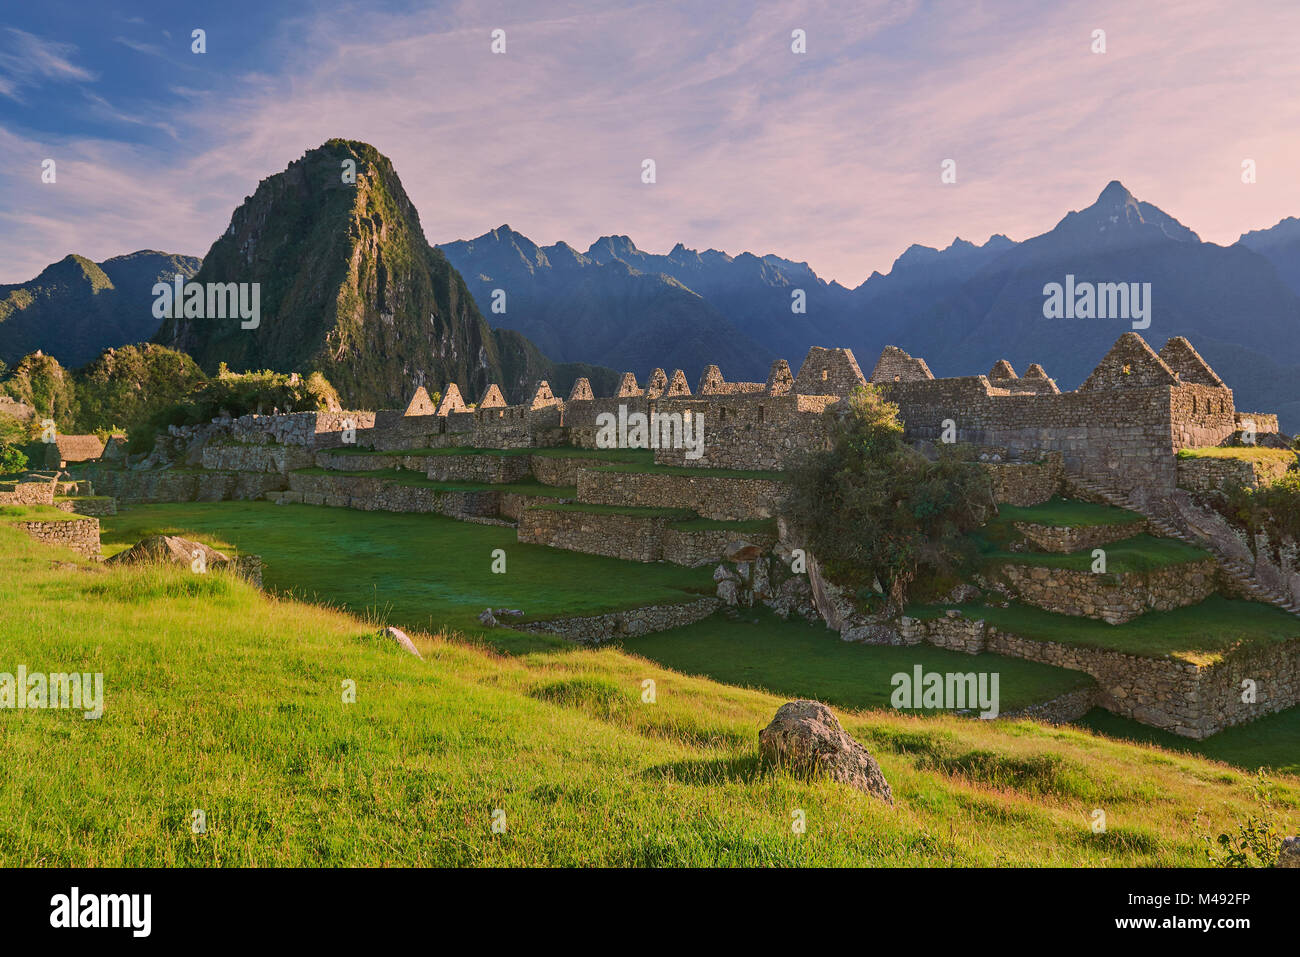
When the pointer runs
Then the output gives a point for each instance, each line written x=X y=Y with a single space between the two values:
x=874 y=510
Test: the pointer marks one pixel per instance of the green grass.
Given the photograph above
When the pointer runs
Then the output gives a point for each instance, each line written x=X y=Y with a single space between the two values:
x=630 y=456
x=36 y=513
x=221 y=699
x=413 y=570
x=798 y=659
x=635 y=511
x=1141 y=553
x=408 y=477
x=706 y=473
x=1272 y=741
x=1067 y=513
x=1245 y=453
x=1197 y=633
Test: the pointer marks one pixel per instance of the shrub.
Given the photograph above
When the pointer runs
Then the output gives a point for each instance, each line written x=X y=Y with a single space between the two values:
x=11 y=460
x=875 y=510
x=1273 y=509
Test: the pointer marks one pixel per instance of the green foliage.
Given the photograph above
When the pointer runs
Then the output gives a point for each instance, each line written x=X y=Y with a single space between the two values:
x=236 y=394
x=1273 y=508
x=12 y=460
x=124 y=387
x=874 y=510
x=1257 y=839
x=41 y=382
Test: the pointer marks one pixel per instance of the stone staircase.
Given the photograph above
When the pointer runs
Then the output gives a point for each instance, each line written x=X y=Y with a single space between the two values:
x=1241 y=573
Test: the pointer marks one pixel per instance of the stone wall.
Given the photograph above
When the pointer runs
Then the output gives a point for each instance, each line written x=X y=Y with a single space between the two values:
x=1026 y=483
x=1191 y=700
x=1111 y=597
x=493 y=469
x=726 y=499
x=1205 y=474
x=1123 y=440
x=708 y=546
x=173 y=485
x=79 y=534
x=262 y=457
x=1076 y=538
x=382 y=495
x=27 y=493
x=561 y=471
x=764 y=434
x=599 y=629
x=1063 y=709
x=96 y=506
x=635 y=538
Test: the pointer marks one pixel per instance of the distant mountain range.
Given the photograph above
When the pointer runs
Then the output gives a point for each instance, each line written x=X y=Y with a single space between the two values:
x=350 y=286
x=75 y=309
x=961 y=308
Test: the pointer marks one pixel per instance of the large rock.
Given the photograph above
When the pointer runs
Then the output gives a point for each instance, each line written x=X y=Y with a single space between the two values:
x=741 y=551
x=1290 y=856
x=807 y=738
x=170 y=550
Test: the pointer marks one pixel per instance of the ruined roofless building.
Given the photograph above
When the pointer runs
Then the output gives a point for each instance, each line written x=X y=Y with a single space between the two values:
x=1122 y=426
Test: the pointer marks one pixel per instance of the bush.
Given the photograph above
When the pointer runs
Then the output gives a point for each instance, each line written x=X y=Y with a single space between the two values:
x=11 y=460
x=236 y=394
x=875 y=510
x=1273 y=509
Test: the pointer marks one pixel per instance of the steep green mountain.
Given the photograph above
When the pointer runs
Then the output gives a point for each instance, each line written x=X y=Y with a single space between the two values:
x=77 y=308
x=349 y=286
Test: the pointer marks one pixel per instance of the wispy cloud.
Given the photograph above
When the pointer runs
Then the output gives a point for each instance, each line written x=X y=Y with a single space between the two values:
x=832 y=157
x=29 y=59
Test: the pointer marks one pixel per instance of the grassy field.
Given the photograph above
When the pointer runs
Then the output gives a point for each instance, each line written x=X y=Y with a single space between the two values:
x=1141 y=553
x=220 y=699
x=1067 y=513
x=797 y=659
x=413 y=570
x=1269 y=742
x=1196 y=633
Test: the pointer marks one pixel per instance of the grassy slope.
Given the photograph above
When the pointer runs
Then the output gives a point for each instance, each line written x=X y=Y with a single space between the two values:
x=1141 y=553
x=418 y=571
x=1066 y=513
x=218 y=698
x=1256 y=454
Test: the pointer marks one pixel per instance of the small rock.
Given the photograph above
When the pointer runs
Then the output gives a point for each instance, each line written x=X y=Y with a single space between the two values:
x=487 y=618
x=806 y=737
x=722 y=574
x=1290 y=856
x=402 y=640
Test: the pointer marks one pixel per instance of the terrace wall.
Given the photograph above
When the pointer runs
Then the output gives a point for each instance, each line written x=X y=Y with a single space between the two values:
x=722 y=498
x=79 y=534
x=1111 y=597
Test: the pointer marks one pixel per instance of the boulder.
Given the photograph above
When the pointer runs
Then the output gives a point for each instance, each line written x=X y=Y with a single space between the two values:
x=741 y=551
x=806 y=738
x=729 y=592
x=723 y=573
x=402 y=640
x=171 y=550
x=1290 y=856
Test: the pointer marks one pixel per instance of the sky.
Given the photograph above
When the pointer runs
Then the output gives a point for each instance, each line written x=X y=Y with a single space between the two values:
x=831 y=157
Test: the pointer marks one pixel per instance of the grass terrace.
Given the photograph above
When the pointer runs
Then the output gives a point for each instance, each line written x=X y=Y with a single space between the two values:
x=626 y=456
x=1199 y=634
x=1272 y=741
x=1142 y=553
x=408 y=477
x=36 y=513
x=1066 y=513
x=419 y=571
x=801 y=660
x=1244 y=453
